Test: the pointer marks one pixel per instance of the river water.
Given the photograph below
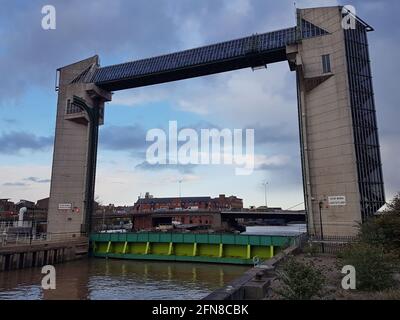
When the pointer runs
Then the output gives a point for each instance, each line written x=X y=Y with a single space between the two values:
x=120 y=279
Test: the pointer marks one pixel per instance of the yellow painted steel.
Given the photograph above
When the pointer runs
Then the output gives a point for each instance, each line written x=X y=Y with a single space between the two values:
x=160 y=248
x=125 y=247
x=137 y=248
x=183 y=249
x=171 y=248
x=108 y=247
x=208 y=250
x=262 y=252
x=140 y=247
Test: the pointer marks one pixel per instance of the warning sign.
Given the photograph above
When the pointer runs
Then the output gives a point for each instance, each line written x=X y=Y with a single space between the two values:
x=64 y=206
x=336 y=201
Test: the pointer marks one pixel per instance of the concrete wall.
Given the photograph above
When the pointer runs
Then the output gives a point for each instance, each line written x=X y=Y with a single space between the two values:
x=37 y=255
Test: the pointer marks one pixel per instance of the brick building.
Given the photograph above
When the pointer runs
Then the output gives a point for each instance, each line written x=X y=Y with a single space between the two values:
x=151 y=204
x=7 y=208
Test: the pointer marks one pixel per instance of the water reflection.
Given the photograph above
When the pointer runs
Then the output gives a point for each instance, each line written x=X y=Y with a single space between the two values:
x=120 y=279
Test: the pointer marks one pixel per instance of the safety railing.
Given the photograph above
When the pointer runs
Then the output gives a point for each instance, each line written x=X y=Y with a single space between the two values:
x=31 y=239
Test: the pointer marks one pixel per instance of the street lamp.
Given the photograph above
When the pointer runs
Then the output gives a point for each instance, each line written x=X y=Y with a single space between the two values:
x=265 y=183
x=33 y=228
x=180 y=182
x=320 y=224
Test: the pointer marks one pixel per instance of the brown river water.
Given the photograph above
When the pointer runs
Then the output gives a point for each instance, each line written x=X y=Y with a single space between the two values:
x=120 y=279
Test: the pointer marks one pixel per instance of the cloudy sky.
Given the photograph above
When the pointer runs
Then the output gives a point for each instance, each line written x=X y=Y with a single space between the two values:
x=120 y=31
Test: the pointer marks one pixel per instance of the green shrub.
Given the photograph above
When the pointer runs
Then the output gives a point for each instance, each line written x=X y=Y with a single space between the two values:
x=383 y=231
x=374 y=268
x=299 y=281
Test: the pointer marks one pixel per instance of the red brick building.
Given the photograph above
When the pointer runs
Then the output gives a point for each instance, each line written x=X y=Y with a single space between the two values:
x=150 y=204
x=7 y=208
x=148 y=221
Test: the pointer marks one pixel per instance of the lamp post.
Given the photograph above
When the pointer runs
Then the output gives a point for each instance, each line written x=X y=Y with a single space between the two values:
x=180 y=183
x=265 y=183
x=321 y=227
x=32 y=226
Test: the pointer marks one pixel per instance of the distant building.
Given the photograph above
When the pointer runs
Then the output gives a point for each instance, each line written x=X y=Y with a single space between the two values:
x=151 y=204
x=228 y=203
x=43 y=204
x=7 y=207
x=112 y=209
x=25 y=203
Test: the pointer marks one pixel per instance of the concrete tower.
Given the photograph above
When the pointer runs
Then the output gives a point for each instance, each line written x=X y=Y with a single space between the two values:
x=339 y=143
x=73 y=161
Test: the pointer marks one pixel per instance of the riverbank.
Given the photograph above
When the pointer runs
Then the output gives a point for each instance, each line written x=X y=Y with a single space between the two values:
x=331 y=268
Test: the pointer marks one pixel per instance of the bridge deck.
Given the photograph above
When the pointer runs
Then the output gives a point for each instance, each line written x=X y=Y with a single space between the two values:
x=252 y=51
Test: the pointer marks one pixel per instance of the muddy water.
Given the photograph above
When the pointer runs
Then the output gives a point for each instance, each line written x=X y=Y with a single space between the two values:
x=120 y=279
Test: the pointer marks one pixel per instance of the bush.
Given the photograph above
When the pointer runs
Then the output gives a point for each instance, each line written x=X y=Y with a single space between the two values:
x=300 y=281
x=374 y=268
x=383 y=231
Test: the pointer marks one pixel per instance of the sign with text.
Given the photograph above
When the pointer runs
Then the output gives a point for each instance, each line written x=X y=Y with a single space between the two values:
x=336 y=201
x=64 y=206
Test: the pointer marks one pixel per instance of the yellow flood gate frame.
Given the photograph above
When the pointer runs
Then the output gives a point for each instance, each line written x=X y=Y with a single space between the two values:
x=212 y=248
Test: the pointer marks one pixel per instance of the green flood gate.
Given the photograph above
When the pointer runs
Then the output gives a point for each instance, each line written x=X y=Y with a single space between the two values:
x=214 y=248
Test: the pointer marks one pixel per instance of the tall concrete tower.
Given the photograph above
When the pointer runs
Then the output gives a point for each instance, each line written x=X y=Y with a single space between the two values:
x=74 y=159
x=342 y=172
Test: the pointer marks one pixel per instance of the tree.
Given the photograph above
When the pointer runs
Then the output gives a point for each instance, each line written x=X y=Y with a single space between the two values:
x=394 y=206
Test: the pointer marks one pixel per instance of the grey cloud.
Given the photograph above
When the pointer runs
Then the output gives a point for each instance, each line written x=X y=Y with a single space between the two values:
x=120 y=29
x=9 y=121
x=185 y=169
x=13 y=142
x=133 y=137
x=37 y=180
x=14 y=184
x=123 y=138
x=280 y=133
x=269 y=167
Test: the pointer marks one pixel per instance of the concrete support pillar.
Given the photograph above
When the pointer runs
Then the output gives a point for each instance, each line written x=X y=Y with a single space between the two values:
x=328 y=144
x=70 y=190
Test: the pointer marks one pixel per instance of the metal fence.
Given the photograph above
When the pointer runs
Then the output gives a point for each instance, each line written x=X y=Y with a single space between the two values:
x=327 y=244
x=29 y=239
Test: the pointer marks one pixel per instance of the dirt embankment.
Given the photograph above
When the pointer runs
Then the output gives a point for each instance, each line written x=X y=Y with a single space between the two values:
x=331 y=268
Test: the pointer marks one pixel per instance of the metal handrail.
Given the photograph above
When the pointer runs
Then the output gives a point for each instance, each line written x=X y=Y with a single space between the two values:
x=28 y=239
